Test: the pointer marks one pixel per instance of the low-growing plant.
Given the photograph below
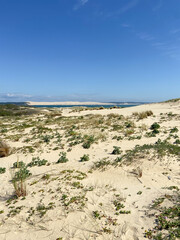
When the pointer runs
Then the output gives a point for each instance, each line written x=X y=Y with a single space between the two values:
x=18 y=164
x=167 y=221
x=174 y=130
x=36 y=161
x=160 y=148
x=129 y=124
x=46 y=177
x=63 y=158
x=116 y=150
x=96 y=214
x=2 y=170
x=47 y=138
x=88 y=140
x=84 y=158
x=177 y=141
x=155 y=126
x=102 y=164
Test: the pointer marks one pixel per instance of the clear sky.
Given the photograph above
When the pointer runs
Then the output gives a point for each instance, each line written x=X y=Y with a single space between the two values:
x=101 y=50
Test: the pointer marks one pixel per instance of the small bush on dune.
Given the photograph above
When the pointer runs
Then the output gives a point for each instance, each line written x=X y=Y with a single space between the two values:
x=116 y=150
x=36 y=161
x=174 y=130
x=19 y=164
x=63 y=158
x=88 y=140
x=84 y=158
x=155 y=126
x=18 y=179
x=4 y=149
x=2 y=170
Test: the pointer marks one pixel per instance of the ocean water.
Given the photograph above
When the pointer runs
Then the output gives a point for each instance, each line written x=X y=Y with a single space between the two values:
x=89 y=106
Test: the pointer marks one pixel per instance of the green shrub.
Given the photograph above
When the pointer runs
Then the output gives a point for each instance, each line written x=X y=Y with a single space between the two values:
x=36 y=161
x=18 y=180
x=174 y=130
x=155 y=126
x=88 y=140
x=63 y=158
x=116 y=150
x=47 y=138
x=22 y=174
x=160 y=148
x=2 y=170
x=84 y=158
x=177 y=141
x=129 y=124
x=19 y=164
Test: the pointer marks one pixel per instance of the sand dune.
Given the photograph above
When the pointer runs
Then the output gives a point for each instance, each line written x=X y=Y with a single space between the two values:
x=109 y=196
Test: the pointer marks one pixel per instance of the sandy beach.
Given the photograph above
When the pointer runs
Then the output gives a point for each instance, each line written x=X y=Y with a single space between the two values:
x=90 y=174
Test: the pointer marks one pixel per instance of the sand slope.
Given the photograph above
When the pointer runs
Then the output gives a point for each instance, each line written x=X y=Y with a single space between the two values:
x=75 y=200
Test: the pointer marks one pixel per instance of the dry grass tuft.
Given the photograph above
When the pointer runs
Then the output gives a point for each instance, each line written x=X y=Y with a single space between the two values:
x=4 y=149
x=143 y=115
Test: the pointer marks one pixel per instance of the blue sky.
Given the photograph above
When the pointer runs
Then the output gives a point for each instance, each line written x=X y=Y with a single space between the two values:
x=101 y=50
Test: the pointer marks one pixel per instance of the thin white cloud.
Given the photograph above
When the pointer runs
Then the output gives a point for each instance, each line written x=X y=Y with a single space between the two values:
x=14 y=97
x=145 y=36
x=10 y=95
x=17 y=97
x=80 y=4
x=168 y=49
x=158 y=44
x=129 y=5
x=124 y=25
x=174 y=31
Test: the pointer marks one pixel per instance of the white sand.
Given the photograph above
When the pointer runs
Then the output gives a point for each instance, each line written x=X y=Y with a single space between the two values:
x=115 y=183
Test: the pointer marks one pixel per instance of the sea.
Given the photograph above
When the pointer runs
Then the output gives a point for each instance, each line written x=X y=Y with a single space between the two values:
x=113 y=104
x=88 y=106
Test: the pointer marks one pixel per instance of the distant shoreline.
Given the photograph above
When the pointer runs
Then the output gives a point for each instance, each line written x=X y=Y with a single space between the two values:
x=82 y=103
x=67 y=103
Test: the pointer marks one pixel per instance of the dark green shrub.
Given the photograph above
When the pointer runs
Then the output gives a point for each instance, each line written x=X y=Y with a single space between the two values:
x=174 y=130
x=155 y=126
x=129 y=124
x=47 y=138
x=84 y=158
x=155 y=131
x=116 y=150
x=63 y=158
x=2 y=170
x=177 y=141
